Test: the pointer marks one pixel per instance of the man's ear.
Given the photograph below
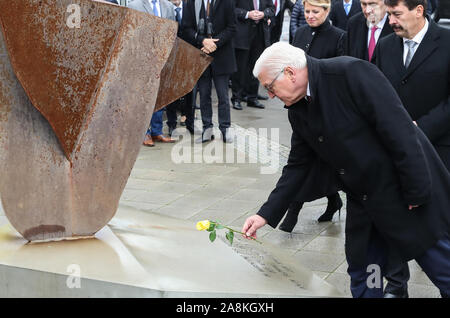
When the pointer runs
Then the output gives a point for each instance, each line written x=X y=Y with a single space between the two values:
x=419 y=10
x=290 y=73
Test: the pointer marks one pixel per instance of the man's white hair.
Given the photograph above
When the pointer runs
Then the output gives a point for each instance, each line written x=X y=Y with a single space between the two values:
x=279 y=56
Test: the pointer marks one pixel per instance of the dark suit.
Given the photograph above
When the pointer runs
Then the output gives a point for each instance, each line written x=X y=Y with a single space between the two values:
x=276 y=25
x=357 y=32
x=381 y=160
x=322 y=42
x=251 y=39
x=223 y=20
x=185 y=102
x=424 y=91
x=423 y=87
x=338 y=15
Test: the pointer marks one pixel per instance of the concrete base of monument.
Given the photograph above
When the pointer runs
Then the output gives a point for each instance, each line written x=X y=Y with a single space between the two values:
x=140 y=254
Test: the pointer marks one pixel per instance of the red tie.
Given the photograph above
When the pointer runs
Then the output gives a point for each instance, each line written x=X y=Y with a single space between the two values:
x=276 y=5
x=372 y=42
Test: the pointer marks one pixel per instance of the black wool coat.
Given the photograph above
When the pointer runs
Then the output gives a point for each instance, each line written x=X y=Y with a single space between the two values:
x=247 y=27
x=224 y=26
x=424 y=87
x=357 y=32
x=381 y=159
x=322 y=42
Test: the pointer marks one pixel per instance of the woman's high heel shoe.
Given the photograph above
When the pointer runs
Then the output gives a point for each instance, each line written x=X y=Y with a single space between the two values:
x=291 y=218
x=334 y=205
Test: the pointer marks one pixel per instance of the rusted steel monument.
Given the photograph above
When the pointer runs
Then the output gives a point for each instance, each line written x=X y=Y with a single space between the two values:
x=79 y=80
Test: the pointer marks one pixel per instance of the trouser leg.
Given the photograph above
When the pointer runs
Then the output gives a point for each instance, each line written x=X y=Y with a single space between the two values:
x=156 y=123
x=366 y=281
x=435 y=262
x=238 y=77
x=204 y=86
x=171 y=112
x=397 y=276
x=221 y=84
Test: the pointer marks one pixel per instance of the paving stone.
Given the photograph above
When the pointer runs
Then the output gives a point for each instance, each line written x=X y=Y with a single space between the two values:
x=288 y=240
x=224 y=217
x=179 y=212
x=325 y=244
x=251 y=195
x=236 y=205
x=341 y=282
x=422 y=291
x=317 y=261
x=197 y=200
x=156 y=197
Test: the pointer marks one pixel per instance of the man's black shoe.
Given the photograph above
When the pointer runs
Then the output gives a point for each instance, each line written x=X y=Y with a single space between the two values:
x=389 y=295
x=255 y=103
x=261 y=97
x=237 y=105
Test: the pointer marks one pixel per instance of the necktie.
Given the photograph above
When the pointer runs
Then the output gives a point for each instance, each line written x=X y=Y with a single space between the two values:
x=177 y=15
x=155 y=9
x=411 y=45
x=276 y=6
x=372 y=42
x=347 y=8
x=207 y=8
x=255 y=4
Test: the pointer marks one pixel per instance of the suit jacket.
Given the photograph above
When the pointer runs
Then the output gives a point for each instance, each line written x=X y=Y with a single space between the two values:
x=224 y=27
x=338 y=15
x=324 y=41
x=380 y=158
x=357 y=32
x=276 y=25
x=246 y=27
x=424 y=87
x=145 y=6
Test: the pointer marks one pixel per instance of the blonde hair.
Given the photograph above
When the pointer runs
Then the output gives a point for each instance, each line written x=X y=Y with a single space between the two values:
x=326 y=4
x=279 y=56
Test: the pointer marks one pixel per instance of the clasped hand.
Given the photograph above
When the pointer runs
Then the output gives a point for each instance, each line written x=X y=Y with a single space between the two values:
x=255 y=15
x=209 y=45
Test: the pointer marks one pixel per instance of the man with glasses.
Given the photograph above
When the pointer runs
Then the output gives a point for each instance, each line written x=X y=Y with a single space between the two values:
x=398 y=190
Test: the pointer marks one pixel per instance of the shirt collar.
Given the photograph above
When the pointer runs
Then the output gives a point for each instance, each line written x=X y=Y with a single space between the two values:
x=420 y=35
x=380 y=24
x=350 y=3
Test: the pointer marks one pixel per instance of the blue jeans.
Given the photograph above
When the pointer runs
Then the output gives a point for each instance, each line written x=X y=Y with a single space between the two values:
x=156 y=124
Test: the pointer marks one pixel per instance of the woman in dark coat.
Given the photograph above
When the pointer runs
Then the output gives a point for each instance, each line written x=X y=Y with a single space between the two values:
x=318 y=39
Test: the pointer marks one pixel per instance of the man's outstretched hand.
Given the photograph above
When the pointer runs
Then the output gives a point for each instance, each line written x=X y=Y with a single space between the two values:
x=252 y=224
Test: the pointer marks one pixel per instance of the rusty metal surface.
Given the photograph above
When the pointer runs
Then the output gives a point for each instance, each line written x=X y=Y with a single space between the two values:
x=74 y=108
x=183 y=59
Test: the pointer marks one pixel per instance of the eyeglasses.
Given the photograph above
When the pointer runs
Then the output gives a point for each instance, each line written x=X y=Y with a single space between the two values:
x=269 y=87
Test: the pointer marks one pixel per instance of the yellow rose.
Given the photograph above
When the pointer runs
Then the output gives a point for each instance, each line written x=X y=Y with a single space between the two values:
x=203 y=225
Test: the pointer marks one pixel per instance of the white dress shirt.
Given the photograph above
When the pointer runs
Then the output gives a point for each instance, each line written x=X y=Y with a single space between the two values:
x=380 y=26
x=257 y=1
x=278 y=6
x=418 y=39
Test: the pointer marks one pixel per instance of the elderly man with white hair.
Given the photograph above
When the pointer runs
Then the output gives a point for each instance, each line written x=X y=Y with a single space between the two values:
x=345 y=112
